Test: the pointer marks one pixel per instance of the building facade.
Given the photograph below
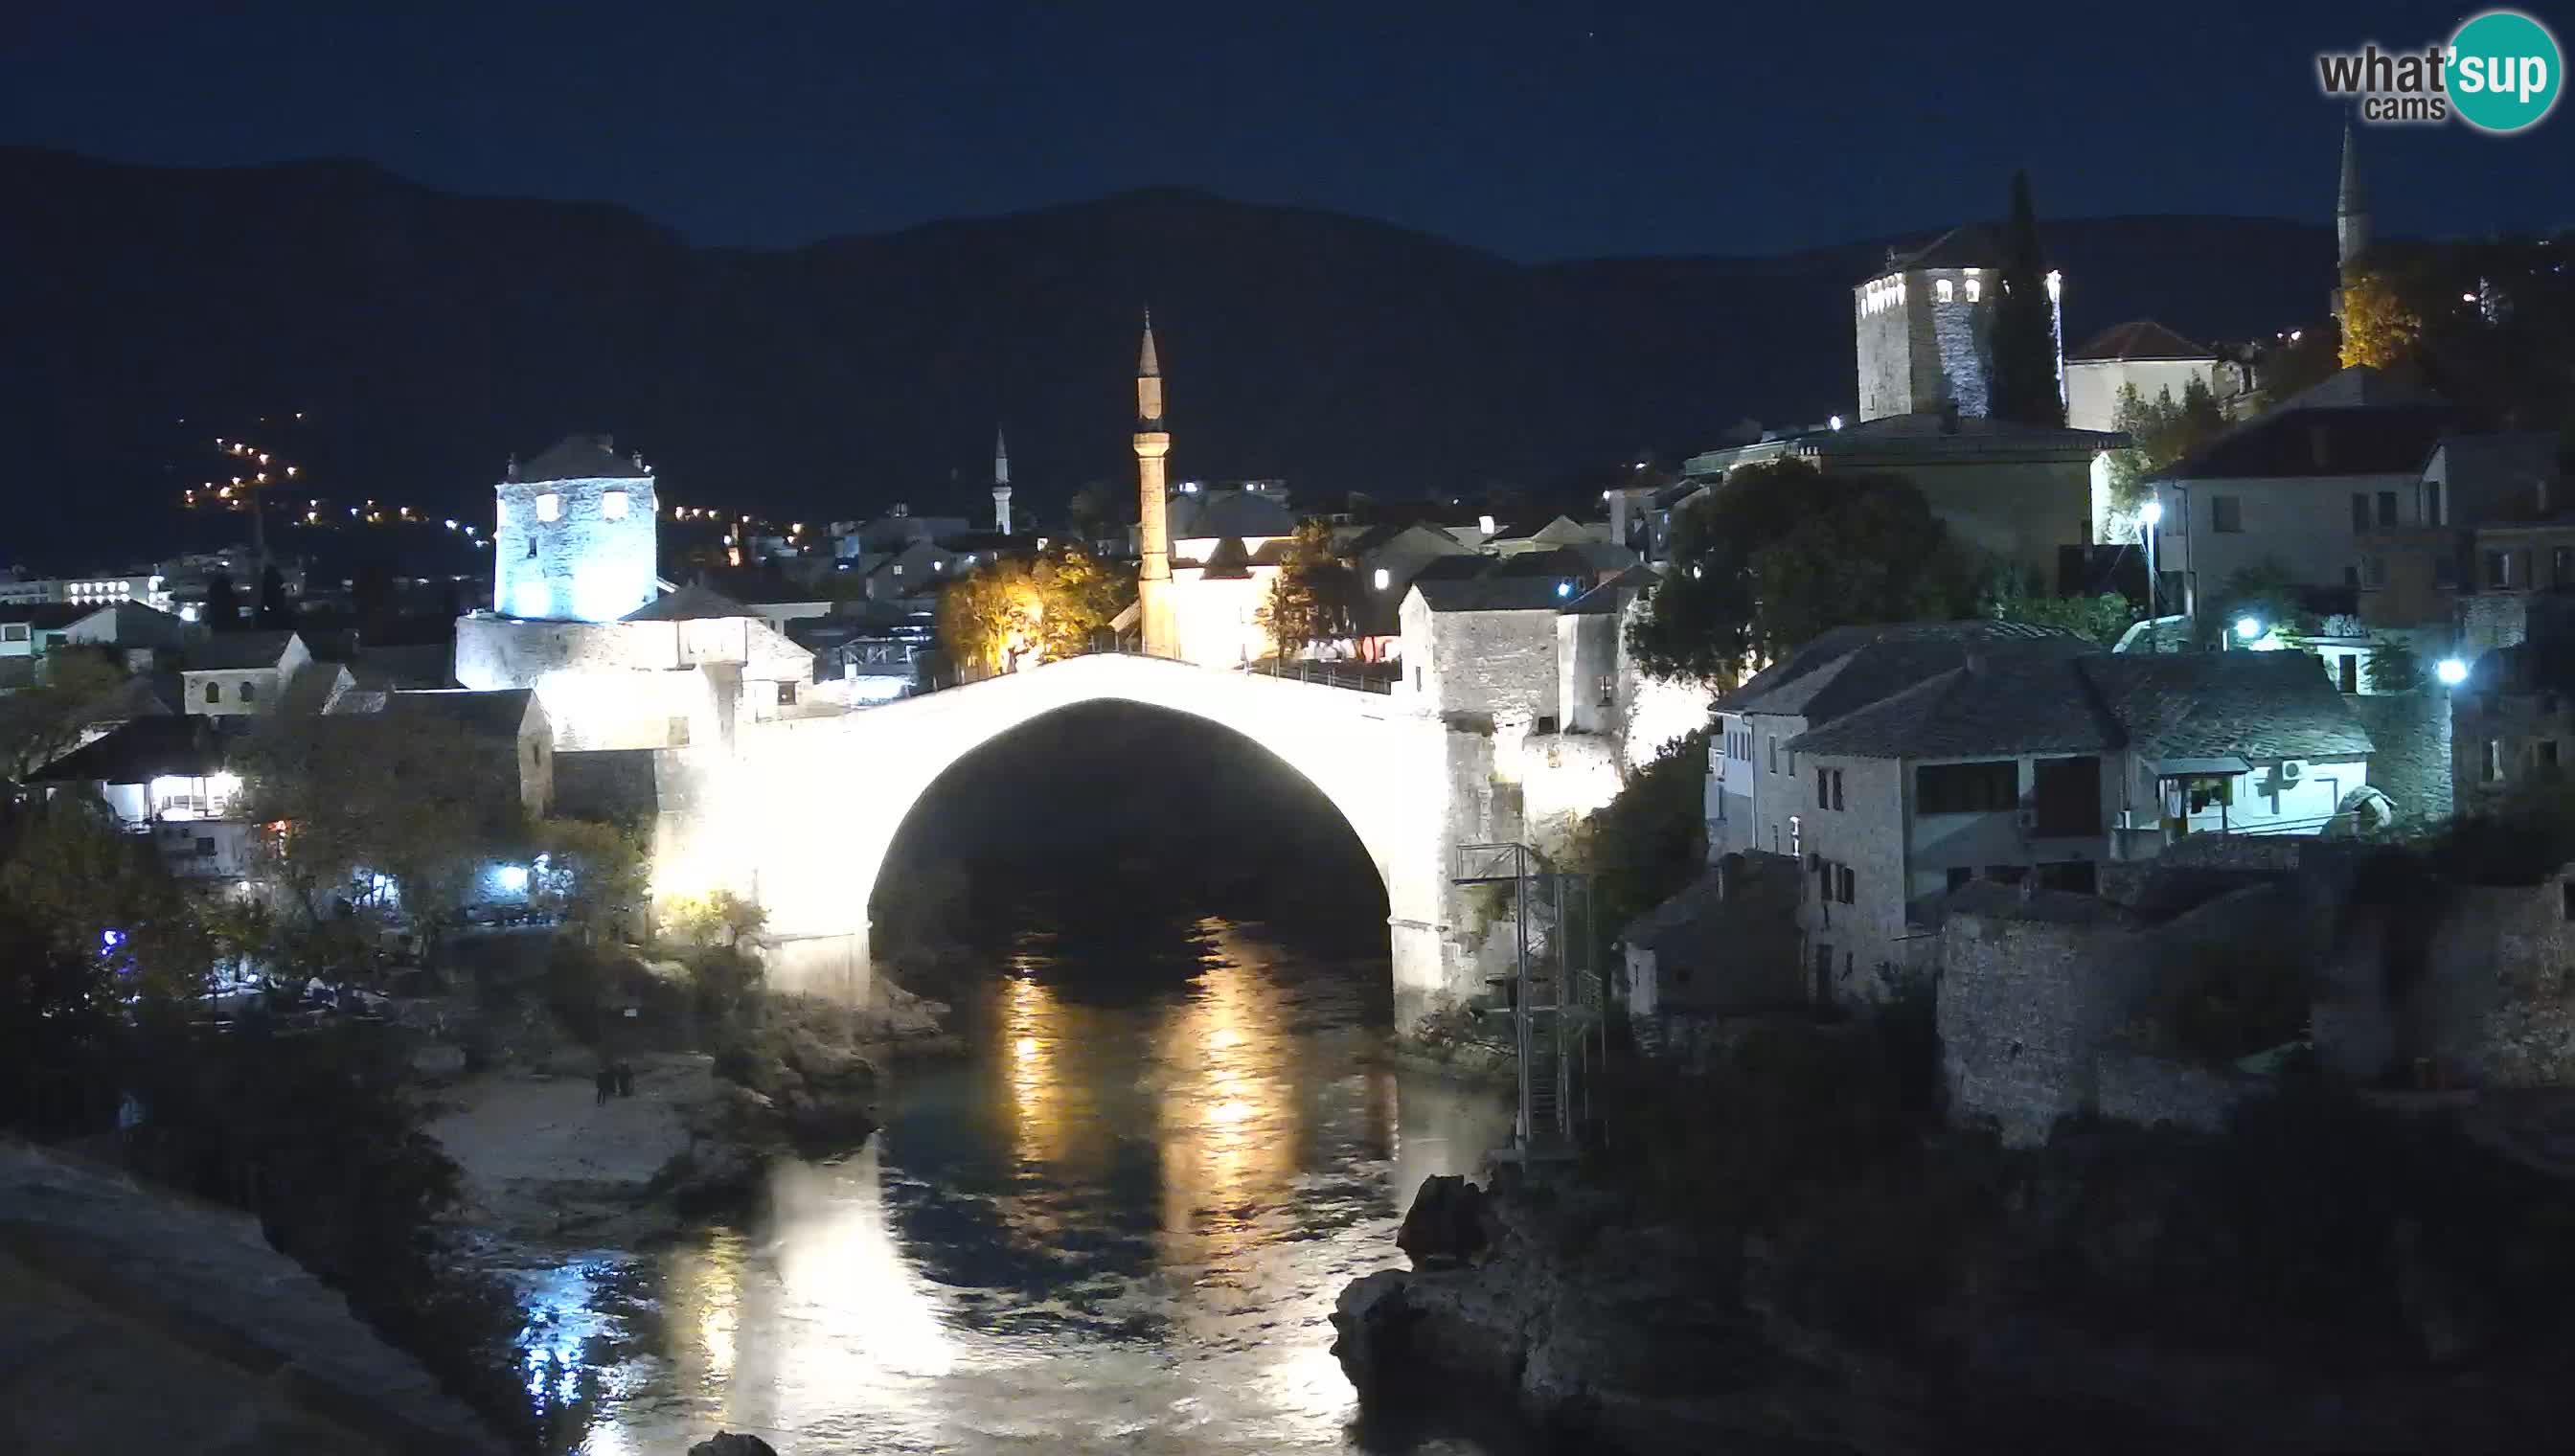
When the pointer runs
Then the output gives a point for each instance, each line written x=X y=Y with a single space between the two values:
x=576 y=535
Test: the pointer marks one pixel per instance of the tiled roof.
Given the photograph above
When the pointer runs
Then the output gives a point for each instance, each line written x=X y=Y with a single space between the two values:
x=583 y=457
x=2140 y=339
x=690 y=604
x=2009 y=702
x=494 y=712
x=1851 y=667
x=2327 y=440
x=1614 y=592
x=238 y=651
x=1492 y=594
x=2254 y=705
x=140 y=751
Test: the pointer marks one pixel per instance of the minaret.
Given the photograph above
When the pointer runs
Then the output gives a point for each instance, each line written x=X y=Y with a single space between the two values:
x=1001 y=483
x=1160 y=626
x=2351 y=217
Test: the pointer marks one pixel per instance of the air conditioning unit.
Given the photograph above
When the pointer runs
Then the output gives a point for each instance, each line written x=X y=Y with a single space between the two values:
x=2290 y=770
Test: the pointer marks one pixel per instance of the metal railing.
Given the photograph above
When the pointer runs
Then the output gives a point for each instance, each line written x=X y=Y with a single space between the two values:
x=1324 y=674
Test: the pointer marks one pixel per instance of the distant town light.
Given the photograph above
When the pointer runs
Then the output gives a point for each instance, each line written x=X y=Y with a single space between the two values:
x=1564 y=588
x=1383 y=579
x=2151 y=513
x=1835 y=422
x=2297 y=334
x=1484 y=524
x=2248 y=628
x=2451 y=671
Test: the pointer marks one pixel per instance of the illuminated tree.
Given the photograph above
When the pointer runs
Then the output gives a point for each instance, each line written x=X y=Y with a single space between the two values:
x=1014 y=613
x=2379 y=328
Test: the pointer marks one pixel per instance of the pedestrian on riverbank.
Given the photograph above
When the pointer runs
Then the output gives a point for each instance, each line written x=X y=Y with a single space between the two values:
x=604 y=1081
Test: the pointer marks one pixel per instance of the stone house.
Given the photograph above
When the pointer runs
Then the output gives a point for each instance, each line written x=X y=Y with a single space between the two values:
x=237 y=672
x=1483 y=648
x=1753 y=800
x=2490 y=522
x=1727 y=944
x=2033 y=767
x=2512 y=722
x=505 y=720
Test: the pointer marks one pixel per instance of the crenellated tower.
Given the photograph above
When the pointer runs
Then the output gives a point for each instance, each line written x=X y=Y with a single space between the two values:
x=1154 y=606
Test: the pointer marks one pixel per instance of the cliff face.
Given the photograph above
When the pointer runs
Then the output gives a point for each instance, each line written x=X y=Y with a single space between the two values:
x=2061 y=1317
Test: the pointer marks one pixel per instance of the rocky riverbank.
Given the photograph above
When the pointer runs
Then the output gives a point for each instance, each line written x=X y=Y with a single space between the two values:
x=2109 y=1305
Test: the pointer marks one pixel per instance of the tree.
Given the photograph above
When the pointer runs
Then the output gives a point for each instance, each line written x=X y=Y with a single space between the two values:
x=2379 y=328
x=2102 y=619
x=102 y=898
x=715 y=918
x=1014 y=613
x=2026 y=390
x=42 y=722
x=407 y=797
x=222 y=612
x=2163 y=433
x=591 y=874
x=1779 y=551
x=273 y=611
x=1312 y=598
x=2392 y=666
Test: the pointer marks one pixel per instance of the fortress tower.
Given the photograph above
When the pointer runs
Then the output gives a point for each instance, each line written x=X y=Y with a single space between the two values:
x=1154 y=607
x=1924 y=325
x=576 y=536
x=1001 y=483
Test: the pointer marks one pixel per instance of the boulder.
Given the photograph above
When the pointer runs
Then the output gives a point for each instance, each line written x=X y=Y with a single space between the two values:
x=1370 y=1323
x=733 y=1443
x=1446 y=1226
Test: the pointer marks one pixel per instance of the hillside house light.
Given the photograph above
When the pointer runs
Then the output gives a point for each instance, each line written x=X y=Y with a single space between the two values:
x=1564 y=588
x=1835 y=422
x=2248 y=628
x=1383 y=579
x=2151 y=513
x=2451 y=671
x=512 y=878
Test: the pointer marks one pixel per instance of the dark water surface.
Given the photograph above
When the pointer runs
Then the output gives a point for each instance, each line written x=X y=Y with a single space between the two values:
x=1118 y=1225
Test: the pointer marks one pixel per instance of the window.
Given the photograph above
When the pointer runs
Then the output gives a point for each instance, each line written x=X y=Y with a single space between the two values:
x=2387 y=508
x=2350 y=666
x=2432 y=503
x=2544 y=753
x=532 y=549
x=1823 y=792
x=1976 y=289
x=787 y=695
x=1774 y=755
x=549 y=507
x=1838 y=789
x=2374 y=571
x=2498 y=568
x=2066 y=796
x=1945 y=290
x=678 y=732
x=2490 y=768
x=2226 y=515
x=2359 y=511
x=205 y=848
x=1956 y=788
x=612 y=506
x=13 y=631
x=214 y=692
x=2561 y=565
x=1843 y=872
x=1417 y=680
x=250 y=692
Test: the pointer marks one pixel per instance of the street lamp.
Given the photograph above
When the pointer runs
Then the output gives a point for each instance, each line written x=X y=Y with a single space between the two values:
x=2150 y=515
x=2451 y=671
x=2248 y=628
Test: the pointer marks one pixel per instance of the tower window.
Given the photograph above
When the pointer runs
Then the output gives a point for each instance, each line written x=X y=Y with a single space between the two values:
x=1946 y=290
x=1976 y=289
x=549 y=507
x=612 y=506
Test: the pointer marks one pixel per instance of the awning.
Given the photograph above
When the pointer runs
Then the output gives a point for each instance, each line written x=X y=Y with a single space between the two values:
x=2200 y=768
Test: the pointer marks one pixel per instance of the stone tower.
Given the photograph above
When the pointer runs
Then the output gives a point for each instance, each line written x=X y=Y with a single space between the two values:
x=576 y=536
x=1923 y=326
x=2351 y=217
x=1001 y=483
x=1154 y=605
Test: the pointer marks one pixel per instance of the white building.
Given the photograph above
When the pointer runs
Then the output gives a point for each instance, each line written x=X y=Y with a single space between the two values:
x=576 y=540
x=164 y=778
x=237 y=672
x=2141 y=354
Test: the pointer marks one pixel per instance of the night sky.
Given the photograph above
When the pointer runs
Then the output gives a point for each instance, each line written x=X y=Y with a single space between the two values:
x=1536 y=130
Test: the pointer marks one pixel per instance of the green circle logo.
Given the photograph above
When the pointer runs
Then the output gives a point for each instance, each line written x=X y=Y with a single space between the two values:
x=2505 y=71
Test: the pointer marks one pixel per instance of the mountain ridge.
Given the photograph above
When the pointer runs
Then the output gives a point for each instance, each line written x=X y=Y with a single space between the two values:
x=433 y=334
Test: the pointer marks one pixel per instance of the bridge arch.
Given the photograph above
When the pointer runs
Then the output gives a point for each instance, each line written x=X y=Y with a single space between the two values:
x=814 y=805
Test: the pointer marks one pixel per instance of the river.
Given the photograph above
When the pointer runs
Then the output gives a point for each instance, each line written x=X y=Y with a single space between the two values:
x=1118 y=1223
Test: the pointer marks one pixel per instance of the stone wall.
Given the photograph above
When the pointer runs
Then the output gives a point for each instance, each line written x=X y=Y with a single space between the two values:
x=2156 y=1091
x=2025 y=1001
x=2412 y=761
x=2496 y=1004
x=581 y=564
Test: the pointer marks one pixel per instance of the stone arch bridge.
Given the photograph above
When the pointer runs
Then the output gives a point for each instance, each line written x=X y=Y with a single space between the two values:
x=803 y=811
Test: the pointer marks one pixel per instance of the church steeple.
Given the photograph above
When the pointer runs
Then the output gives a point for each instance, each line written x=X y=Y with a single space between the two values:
x=1156 y=618
x=1001 y=483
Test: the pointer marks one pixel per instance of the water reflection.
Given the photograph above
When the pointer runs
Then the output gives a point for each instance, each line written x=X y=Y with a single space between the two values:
x=1119 y=1225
